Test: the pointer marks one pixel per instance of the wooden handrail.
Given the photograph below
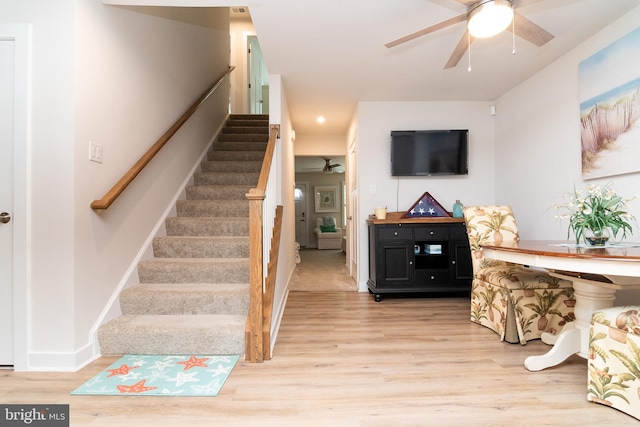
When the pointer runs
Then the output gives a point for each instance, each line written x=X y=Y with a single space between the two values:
x=254 y=334
x=128 y=177
x=274 y=133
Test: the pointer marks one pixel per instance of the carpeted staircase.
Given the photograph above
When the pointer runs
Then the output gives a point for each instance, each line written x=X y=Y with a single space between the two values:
x=193 y=296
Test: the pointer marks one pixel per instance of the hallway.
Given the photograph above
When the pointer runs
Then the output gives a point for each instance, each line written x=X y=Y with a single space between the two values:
x=322 y=271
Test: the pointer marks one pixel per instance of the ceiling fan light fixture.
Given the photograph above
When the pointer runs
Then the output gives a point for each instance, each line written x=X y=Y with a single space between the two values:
x=490 y=17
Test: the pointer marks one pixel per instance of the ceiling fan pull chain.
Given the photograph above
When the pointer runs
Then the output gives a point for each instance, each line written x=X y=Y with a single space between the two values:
x=469 y=50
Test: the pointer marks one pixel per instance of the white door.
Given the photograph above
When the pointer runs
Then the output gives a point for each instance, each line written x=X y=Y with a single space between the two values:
x=7 y=80
x=302 y=227
x=352 y=215
x=258 y=77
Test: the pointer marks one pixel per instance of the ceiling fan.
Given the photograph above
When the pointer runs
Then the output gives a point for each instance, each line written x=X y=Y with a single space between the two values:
x=328 y=167
x=485 y=18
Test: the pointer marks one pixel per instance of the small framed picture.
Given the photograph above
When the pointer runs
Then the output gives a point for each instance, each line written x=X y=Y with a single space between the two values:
x=326 y=198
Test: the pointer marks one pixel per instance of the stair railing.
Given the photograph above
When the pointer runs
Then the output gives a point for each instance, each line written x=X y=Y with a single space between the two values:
x=135 y=170
x=261 y=256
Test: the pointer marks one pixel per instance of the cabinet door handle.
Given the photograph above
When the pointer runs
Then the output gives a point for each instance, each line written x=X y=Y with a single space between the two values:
x=395 y=233
x=453 y=262
x=410 y=262
x=432 y=278
x=431 y=232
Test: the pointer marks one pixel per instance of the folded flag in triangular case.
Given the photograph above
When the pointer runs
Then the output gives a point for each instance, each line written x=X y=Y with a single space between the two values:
x=426 y=206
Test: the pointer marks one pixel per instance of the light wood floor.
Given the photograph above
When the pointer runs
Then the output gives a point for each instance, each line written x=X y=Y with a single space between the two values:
x=343 y=360
x=322 y=270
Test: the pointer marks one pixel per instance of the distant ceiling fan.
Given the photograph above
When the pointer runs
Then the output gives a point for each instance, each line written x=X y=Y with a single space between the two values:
x=485 y=18
x=328 y=167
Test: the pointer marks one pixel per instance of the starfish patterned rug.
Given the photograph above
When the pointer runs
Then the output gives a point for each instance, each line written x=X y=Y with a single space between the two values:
x=137 y=375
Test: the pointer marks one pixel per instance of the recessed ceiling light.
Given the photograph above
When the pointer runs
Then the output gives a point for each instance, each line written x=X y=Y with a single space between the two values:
x=320 y=119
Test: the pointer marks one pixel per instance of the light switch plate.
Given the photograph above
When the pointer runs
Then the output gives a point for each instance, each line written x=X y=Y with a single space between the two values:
x=95 y=152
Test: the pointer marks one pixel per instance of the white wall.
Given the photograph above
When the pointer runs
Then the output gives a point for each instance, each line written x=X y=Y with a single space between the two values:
x=320 y=145
x=377 y=188
x=120 y=77
x=279 y=114
x=537 y=141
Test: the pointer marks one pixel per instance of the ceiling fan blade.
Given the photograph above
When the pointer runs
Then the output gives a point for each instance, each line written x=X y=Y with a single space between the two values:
x=459 y=51
x=428 y=30
x=467 y=2
x=530 y=31
x=520 y=3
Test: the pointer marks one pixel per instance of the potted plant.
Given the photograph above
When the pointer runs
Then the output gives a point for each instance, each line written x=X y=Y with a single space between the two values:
x=596 y=214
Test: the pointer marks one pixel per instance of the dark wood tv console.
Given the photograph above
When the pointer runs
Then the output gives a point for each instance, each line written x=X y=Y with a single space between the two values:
x=418 y=255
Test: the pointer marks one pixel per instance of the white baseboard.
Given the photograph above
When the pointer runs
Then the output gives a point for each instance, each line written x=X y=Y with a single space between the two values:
x=62 y=362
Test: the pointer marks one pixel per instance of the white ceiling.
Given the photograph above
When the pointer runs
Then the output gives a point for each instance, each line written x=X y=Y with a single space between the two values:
x=331 y=53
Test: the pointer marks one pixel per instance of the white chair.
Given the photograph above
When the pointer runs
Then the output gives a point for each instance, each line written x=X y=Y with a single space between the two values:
x=328 y=234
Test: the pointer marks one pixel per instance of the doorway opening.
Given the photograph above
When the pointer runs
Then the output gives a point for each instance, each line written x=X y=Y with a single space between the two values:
x=321 y=269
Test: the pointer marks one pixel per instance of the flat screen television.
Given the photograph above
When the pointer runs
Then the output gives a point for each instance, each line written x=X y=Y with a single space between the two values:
x=429 y=152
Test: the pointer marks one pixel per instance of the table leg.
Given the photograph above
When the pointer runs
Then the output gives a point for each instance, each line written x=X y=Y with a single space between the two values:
x=574 y=337
x=567 y=344
x=550 y=339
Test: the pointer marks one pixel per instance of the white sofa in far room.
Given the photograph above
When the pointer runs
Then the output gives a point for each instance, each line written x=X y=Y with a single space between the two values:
x=327 y=238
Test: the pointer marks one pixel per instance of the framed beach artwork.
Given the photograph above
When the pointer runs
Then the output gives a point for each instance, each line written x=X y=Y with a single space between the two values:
x=326 y=199
x=610 y=109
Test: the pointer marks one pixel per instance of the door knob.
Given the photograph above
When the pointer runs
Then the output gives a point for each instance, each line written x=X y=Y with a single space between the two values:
x=5 y=217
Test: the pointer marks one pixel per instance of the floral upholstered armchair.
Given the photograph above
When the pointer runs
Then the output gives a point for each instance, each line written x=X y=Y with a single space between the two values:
x=516 y=302
x=614 y=359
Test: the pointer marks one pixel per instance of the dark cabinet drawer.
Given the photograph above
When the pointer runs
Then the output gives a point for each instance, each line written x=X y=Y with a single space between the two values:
x=459 y=232
x=431 y=233
x=395 y=233
x=425 y=277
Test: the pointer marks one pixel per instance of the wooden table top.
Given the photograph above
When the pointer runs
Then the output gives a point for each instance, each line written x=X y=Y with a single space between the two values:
x=628 y=251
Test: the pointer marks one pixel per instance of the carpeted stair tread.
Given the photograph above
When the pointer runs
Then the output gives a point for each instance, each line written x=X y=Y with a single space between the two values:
x=239 y=146
x=235 y=155
x=186 y=298
x=238 y=129
x=201 y=247
x=207 y=226
x=173 y=334
x=231 y=166
x=213 y=208
x=245 y=120
x=242 y=137
x=199 y=270
x=217 y=192
x=213 y=178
